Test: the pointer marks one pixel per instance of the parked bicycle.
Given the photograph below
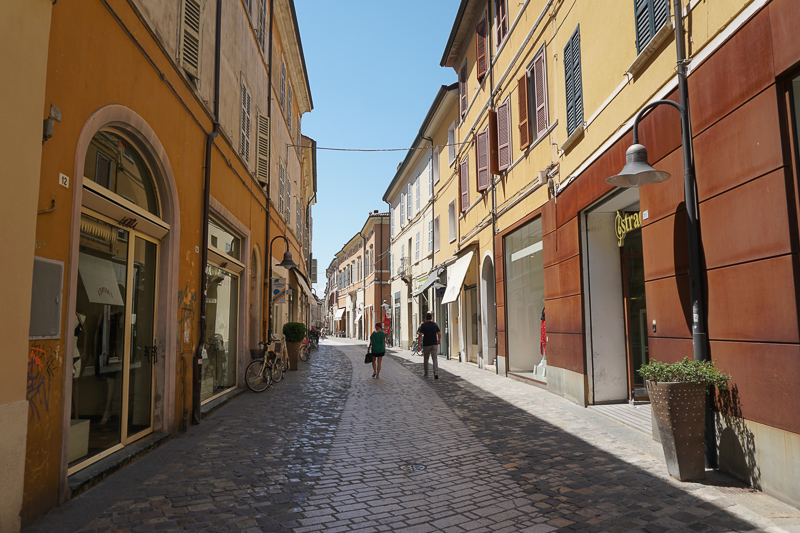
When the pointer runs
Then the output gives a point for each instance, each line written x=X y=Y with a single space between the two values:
x=415 y=348
x=267 y=366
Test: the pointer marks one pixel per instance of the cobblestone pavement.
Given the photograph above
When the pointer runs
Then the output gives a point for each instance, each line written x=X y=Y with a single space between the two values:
x=331 y=449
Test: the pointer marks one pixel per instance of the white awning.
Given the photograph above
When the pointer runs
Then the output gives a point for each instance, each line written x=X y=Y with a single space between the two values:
x=304 y=285
x=339 y=313
x=455 y=278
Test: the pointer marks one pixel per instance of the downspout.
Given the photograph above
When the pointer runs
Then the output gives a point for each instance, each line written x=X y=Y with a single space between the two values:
x=198 y=356
x=433 y=215
x=494 y=201
x=364 y=279
x=390 y=301
x=265 y=326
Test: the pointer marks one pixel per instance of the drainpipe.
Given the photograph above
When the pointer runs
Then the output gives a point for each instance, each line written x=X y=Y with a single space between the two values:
x=265 y=326
x=198 y=356
x=494 y=206
x=433 y=212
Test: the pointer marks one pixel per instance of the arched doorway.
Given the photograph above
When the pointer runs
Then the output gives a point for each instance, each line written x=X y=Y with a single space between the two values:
x=488 y=311
x=122 y=280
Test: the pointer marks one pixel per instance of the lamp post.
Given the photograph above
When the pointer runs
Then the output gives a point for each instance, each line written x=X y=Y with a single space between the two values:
x=286 y=263
x=637 y=172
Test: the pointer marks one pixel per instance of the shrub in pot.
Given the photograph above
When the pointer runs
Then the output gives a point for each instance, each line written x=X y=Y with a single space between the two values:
x=678 y=397
x=294 y=332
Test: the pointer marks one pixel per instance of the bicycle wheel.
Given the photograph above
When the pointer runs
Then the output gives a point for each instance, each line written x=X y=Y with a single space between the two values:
x=256 y=377
x=277 y=370
x=304 y=352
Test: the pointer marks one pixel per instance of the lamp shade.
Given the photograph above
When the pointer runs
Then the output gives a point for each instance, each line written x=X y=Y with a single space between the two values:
x=287 y=261
x=637 y=171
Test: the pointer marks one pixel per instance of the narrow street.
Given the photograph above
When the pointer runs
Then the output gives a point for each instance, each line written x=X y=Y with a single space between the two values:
x=330 y=449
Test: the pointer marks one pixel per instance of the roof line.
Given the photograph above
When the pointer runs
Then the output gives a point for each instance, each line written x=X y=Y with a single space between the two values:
x=302 y=55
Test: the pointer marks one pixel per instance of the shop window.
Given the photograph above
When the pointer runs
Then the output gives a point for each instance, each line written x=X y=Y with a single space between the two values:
x=113 y=163
x=524 y=286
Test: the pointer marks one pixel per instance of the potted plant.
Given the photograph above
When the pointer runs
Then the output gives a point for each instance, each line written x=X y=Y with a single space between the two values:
x=294 y=332
x=678 y=398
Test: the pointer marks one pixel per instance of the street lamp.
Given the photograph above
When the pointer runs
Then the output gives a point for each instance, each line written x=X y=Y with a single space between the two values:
x=637 y=172
x=286 y=263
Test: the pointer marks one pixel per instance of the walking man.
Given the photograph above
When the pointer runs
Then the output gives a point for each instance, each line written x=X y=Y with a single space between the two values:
x=429 y=336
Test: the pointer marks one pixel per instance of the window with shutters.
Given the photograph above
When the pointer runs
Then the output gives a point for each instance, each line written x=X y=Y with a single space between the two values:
x=435 y=168
x=190 y=37
x=402 y=209
x=281 y=187
x=501 y=20
x=289 y=108
x=262 y=25
x=430 y=236
x=299 y=218
x=649 y=16
x=573 y=82
x=430 y=176
x=451 y=144
x=480 y=45
x=463 y=100
x=391 y=223
x=504 y=135
x=283 y=85
x=262 y=149
x=419 y=205
x=288 y=218
x=436 y=235
x=482 y=159
x=244 y=140
x=409 y=202
x=532 y=91
x=463 y=183
x=416 y=247
x=451 y=220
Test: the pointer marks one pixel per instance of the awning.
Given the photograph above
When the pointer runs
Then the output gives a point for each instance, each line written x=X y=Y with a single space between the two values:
x=455 y=278
x=432 y=279
x=303 y=284
x=339 y=313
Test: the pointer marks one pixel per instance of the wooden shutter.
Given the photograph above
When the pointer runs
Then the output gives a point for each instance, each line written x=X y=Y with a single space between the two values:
x=643 y=14
x=504 y=135
x=492 y=142
x=482 y=159
x=660 y=14
x=262 y=25
x=190 y=37
x=502 y=20
x=570 y=96
x=262 y=150
x=281 y=186
x=524 y=123
x=102 y=171
x=577 y=86
x=244 y=142
x=288 y=200
x=462 y=89
x=409 y=202
x=464 y=183
x=540 y=94
x=480 y=43
x=289 y=109
x=283 y=85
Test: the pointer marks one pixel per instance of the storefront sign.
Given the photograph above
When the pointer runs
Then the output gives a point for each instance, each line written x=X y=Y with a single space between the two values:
x=625 y=223
x=278 y=290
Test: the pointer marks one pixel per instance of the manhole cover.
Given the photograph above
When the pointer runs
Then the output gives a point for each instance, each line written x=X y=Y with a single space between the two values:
x=412 y=468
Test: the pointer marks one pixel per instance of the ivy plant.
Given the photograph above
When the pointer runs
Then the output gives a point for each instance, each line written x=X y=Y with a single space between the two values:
x=686 y=371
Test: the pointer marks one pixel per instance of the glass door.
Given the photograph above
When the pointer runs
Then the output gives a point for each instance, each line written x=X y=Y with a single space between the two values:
x=144 y=351
x=635 y=312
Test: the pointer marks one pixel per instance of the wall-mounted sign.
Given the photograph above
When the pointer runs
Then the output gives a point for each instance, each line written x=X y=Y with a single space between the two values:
x=278 y=290
x=625 y=223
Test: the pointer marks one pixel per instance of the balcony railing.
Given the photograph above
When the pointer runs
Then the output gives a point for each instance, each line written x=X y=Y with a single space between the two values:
x=404 y=270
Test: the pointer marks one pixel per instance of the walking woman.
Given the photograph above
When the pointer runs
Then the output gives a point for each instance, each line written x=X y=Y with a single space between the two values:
x=377 y=345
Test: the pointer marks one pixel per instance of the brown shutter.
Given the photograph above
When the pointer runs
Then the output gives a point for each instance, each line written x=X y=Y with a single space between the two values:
x=482 y=159
x=503 y=136
x=524 y=124
x=540 y=87
x=480 y=43
x=464 y=183
x=190 y=36
x=493 y=169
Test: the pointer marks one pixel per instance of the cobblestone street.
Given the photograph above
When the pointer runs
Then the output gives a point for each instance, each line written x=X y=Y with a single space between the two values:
x=331 y=449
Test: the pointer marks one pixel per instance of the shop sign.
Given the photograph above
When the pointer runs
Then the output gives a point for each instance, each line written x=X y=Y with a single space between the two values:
x=278 y=290
x=625 y=223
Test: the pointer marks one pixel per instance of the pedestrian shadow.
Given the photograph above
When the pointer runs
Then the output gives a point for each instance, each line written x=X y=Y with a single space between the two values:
x=574 y=483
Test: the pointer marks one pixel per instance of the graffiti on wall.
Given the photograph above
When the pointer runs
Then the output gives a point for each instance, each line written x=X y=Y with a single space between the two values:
x=43 y=361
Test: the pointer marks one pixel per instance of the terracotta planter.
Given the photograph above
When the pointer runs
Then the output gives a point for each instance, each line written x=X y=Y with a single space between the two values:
x=293 y=351
x=680 y=413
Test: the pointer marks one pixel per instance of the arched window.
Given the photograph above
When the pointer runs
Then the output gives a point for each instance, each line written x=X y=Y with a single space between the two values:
x=113 y=163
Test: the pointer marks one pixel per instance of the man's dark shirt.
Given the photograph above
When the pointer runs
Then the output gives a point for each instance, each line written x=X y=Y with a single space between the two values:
x=429 y=329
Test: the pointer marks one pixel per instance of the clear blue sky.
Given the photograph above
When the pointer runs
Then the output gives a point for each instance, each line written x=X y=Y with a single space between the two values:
x=373 y=66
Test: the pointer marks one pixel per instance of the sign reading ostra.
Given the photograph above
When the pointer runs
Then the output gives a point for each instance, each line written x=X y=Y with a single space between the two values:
x=624 y=223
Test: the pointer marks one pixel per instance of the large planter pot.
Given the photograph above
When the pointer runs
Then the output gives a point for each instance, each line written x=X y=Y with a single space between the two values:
x=293 y=351
x=680 y=413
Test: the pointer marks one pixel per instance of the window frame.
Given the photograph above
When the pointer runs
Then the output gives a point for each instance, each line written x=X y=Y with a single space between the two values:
x=573 y=82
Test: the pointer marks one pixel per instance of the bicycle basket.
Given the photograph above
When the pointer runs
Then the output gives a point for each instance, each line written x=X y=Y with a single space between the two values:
x=257 y=354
